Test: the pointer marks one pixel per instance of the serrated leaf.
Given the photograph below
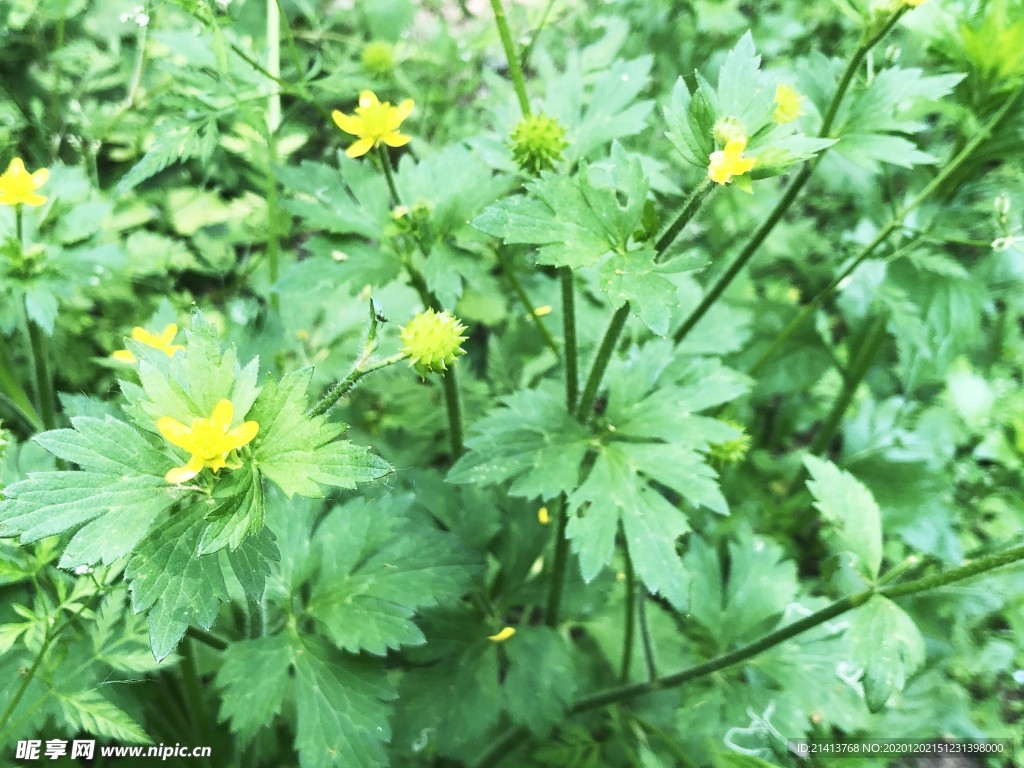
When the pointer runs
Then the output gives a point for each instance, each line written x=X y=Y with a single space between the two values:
x=377 y=570
x=250 y=701
x=886 y=642
x=634 y=277
x=341 y=708
x=178 y=586
x=614 y=491
x=238 y=513
x=574 y=220
x=300 y=453
x=351 y=199
x=251 y=562
x=851 y=509
x=531 y=440
x=541 y=679
x=41 y=306
x=90 y=712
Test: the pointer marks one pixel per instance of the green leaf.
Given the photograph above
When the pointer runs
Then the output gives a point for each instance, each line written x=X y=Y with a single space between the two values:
x=90 y=712
x=341 y=708
x=41 y=306
x=851 y=510
x=747 y=602
x=300 y=453
x=238 y=512
x=377 y=569
x=351 y=199
x=886 y=642
x=614 y=491
x=634 y=277
x=531 y=440
x=575 y=220
x=251 y=562
x=251 y=701
x=541 y=678
x=178 y=586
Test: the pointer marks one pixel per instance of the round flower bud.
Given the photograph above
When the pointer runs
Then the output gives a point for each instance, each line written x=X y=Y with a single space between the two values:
x=378 y=58
x=432 y=340
x=731 y=451
x=537 y=143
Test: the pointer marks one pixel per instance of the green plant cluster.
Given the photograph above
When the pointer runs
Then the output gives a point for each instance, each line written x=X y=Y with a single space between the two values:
x=643 y=387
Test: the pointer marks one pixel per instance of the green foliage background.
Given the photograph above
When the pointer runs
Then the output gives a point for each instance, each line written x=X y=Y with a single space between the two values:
x=812 y=408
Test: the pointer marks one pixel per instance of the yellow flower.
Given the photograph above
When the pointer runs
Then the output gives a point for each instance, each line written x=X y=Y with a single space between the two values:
x=729 y=162
x=374 y=122
x=787 y=104
x=432 y=341
x=913 y=3
x=17 y=185
x=208 y=440
x=543 y=516
x=161 y=342
x=502 y=636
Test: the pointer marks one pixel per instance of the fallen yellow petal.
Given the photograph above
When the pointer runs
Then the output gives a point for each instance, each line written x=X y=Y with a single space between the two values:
x=502 y=636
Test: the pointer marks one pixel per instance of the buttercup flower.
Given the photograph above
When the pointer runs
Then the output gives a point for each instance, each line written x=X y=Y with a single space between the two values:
x=432 y=340
x=787 y=104
x=161 y=342
x=208 y=440
x=374 y=123
x=729 y=162
x=537 y=143
x=17 y=185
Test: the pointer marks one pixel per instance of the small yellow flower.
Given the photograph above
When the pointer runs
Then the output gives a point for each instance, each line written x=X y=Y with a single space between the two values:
x=502 y=636
x=208 y=440
x=788 y=104
x=432 y=341
x=374 y=122
x=543 y=516
x=161 y=342
x=17 y=185
x=729 y=162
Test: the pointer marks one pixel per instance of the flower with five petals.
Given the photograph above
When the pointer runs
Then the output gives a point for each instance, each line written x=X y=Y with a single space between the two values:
x=161 y=341
x=208 y=440
x=729 y=162
x=374 y=122
x=17 y=185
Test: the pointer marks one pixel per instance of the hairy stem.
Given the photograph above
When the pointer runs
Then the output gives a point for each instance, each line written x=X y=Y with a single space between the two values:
x=499 y=748
x=339 y=389
x=691 y=205
x=629 y=615
x=951 y=168
x=558 y=563
x=572 y=382
x=604 y=356
x=515 y=71
x=794 y=188
x=524 y=299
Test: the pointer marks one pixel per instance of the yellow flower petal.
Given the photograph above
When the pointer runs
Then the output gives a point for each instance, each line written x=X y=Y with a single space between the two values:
x=242 y=434
x=543 y=516
x=223 y=412
x=40 y=177
x=347 y=123
x=124 y=356
x=368 y=100
x=174 y=431
x=183 y=474
x=360 y=148
x=402 y=111
x=396 y=139
x=502 y=636
x=18 y=186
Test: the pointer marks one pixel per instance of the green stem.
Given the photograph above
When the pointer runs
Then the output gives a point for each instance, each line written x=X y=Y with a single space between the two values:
x=389 y=175
x=629 y=616
x=497 y=751
x=15 y=394
x=524 y=59
x=604 y=356
x=273 y=236
x=274 y=65
x=856 y=372
x=962 y=157
x=558 y=564
x=454 y=408
x=451 y=384
x=572 y=376
x=794 y=188
x=524 y=299
x=510 y=53
x=135 y=83
x=645 y=635
x=207 y=638
x=346 y=385
x=193 y=694
x=37 y=350
x=691 y=205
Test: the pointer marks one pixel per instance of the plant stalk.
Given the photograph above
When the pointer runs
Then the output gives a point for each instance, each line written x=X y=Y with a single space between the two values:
x=515 y=71
x=572 y=382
